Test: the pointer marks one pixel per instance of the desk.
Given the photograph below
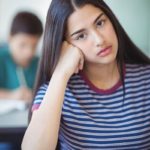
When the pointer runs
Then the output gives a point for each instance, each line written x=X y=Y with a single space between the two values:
x=13 y=126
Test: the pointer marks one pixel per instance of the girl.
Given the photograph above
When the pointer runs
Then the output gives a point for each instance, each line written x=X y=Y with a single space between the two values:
x=93 y=86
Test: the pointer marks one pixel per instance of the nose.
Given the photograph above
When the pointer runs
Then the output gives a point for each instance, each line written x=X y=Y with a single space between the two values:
x=98 y=38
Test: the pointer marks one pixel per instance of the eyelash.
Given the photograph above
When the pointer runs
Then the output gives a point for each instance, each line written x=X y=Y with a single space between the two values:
x=78 y=37
x=100 y=21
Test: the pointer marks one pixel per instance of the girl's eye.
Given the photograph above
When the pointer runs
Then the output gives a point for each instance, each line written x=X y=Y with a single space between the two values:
x=100 y=23
x=81 y=37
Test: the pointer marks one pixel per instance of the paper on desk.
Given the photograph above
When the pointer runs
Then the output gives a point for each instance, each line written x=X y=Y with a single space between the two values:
x=7 y=106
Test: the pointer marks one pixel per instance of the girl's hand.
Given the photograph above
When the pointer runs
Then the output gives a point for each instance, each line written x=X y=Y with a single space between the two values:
x=71 y=60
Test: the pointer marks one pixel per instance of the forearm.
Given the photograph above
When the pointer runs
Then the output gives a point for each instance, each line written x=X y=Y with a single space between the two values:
x=6 y=94
x=43 y=129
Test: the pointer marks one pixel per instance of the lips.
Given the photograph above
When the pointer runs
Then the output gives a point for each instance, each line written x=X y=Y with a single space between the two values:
x=105 y=51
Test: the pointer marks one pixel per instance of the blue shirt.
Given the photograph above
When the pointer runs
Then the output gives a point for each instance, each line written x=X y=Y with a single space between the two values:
x=96 y=119
x=9 y=78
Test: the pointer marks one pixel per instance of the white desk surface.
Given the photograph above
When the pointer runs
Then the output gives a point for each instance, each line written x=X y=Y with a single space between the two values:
x=14 y=119
x=15 y=116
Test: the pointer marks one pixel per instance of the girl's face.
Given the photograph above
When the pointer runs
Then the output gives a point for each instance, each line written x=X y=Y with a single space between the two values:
x=91 y=30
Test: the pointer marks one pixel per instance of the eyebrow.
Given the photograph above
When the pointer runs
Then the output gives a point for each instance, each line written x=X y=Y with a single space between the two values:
x=81 y=30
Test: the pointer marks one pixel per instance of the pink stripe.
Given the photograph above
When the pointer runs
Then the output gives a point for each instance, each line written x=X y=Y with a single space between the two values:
x=101 y=91
x=35 y=107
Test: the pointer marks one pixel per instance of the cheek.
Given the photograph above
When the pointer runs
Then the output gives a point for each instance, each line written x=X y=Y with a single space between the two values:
x=111 y=35
x=17 y=46
x=21 y=50
x=18 y=51
x=87 y=48
x=84 y=46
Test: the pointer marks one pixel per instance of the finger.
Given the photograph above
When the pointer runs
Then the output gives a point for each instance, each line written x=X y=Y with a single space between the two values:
x=77 y=70
x=68 y=42
x=81 y=64
x=64 y=46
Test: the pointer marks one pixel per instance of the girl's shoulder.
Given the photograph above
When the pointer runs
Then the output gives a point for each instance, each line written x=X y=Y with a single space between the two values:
x=137 y=71
x=41 y=92
x=39 y=96
x=43 y=87
x=137 y=67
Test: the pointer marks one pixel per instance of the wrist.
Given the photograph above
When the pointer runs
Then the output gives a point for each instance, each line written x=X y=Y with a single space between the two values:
x=61 y=74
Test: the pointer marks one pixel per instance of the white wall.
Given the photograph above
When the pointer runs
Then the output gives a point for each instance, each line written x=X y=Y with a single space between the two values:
x=8 y=8
x=134 y=16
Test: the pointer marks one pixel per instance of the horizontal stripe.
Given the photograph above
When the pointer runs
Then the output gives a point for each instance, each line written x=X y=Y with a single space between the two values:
x=107 y=121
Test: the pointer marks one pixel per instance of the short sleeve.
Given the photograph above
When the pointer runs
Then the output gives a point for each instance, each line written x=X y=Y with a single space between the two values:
x=39 y=97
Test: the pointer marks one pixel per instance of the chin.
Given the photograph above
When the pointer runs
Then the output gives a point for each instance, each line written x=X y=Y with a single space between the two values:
x=107 y=60
x=24 y=64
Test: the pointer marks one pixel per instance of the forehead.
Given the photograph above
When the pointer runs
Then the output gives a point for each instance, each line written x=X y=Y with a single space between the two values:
x=25 y=37
x=83 y=16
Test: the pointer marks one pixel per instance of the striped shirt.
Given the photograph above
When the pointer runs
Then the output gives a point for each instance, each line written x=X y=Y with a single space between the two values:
x=95 y=119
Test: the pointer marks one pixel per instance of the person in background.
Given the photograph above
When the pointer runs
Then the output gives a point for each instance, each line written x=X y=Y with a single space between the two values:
x=18 y=62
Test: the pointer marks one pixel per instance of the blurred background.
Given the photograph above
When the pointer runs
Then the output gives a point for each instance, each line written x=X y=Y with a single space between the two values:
x=134 y=15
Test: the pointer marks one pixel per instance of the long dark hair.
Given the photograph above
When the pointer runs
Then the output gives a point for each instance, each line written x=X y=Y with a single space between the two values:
x=55 y=29
x=56 y=26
